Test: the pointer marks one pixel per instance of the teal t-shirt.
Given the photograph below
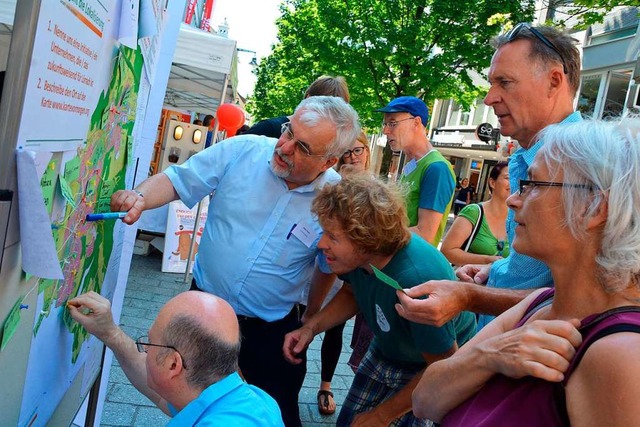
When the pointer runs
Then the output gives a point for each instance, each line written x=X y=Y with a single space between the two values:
x=398 y=340
x=431 y=185
x=485 y=242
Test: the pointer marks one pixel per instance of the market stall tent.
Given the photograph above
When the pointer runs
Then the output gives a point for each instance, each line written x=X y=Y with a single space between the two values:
x=203 y=72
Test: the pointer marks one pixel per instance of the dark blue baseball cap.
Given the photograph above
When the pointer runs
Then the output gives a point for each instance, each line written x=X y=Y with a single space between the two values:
x=409 y=104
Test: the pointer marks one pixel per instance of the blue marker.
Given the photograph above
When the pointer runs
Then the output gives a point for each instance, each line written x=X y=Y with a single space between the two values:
x=106 y=215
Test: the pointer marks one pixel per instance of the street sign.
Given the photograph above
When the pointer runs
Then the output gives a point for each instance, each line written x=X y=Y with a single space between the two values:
x=484 y=132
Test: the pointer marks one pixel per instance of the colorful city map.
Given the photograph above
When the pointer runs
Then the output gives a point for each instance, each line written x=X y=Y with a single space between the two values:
x=86 y=183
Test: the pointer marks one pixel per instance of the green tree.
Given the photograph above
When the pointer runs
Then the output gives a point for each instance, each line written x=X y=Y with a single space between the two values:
x=383 y=48
x=584 y=12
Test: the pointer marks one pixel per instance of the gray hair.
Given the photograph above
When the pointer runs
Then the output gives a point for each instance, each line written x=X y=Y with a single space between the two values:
x=605 y=157
x=338 y=112
x=546 y=56
x=207 y=357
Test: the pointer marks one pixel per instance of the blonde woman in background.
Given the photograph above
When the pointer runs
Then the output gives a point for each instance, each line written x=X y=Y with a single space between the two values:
x=356 y=159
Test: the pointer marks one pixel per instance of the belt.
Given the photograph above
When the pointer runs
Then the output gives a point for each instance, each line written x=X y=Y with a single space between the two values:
x=294 y=313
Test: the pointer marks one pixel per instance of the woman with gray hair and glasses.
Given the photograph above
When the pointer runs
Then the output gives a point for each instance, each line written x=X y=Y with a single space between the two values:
x=566 y=355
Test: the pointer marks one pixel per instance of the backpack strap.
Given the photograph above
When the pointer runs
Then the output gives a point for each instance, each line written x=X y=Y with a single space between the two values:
x=476 y=229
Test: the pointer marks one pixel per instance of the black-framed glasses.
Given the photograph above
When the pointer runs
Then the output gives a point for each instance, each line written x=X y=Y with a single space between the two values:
x=524 y=185
x=356 y=152
x=302 y=147
x=394 y=123
x=143 y=342
x=511 y=35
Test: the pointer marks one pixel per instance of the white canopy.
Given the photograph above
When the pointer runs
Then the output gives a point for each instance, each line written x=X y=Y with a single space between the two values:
x=202 y=66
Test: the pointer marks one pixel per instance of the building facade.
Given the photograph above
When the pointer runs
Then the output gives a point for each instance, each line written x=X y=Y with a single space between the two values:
x=610 y=87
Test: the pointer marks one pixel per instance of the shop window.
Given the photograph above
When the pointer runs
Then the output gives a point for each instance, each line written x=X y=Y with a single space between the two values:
x=455 y=115
x=589 y=94
x=616 y=93
x=612 y=35
x=478 y=113
x=464 y=118
x=442 y=116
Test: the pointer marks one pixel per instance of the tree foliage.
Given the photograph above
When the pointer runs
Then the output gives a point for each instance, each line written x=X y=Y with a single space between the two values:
x=586 y=12
x=383 y=48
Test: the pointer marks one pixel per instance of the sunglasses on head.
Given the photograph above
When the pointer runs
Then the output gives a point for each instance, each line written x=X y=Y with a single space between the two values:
x=523 y=26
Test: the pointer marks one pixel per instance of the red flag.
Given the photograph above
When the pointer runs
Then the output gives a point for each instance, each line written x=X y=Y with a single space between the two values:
x=191 y=7
x=206 y=15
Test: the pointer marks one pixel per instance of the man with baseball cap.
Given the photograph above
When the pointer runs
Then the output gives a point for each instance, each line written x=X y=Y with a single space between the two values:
x=427 y=174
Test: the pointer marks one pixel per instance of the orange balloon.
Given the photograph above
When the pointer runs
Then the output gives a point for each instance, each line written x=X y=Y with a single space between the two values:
x=230 y=117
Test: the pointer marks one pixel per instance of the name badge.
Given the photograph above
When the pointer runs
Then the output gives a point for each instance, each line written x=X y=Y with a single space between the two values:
x=305 y=233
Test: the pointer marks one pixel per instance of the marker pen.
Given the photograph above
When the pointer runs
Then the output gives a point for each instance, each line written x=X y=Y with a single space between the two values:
x=106 y=215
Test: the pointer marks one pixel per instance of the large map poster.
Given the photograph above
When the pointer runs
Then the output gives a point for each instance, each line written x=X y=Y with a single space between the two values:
x=80 y=112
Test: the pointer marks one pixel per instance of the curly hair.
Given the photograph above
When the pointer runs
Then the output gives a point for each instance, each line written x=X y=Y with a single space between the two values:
x=372 y=213
x=604 y=158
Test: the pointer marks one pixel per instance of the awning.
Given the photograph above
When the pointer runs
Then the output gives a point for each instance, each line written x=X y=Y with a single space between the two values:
x=202 y=66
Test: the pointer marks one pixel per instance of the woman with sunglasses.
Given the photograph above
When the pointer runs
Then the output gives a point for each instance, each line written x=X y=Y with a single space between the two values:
x=567 y=355
x=466 y=244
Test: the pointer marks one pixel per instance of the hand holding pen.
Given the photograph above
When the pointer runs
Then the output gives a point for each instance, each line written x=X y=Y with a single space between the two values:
x=93 y=312
x=129 y=202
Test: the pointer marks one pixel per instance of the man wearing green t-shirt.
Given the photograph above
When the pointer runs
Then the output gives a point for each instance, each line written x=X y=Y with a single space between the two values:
x=359 y=252
x=428 y=175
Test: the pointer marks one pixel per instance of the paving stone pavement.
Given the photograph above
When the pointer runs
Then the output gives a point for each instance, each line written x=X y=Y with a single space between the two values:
x=147 y=290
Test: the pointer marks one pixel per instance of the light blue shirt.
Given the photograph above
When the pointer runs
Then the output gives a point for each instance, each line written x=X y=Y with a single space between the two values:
x=248 y=253
x=519 y=271
x=229 y=402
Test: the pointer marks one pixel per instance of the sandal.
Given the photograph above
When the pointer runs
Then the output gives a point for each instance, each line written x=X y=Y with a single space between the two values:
x=324 y=402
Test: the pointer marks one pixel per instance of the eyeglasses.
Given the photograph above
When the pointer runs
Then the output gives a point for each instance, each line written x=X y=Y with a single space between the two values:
x=301 y=146
x=394 y=123
x=143 y=342
x=511 y=35
x=524 y=185
x=500 y=246
x=356 y=152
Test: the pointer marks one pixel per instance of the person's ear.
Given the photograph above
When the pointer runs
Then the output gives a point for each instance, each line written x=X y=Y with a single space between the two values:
x=557 y=80
x=174 y=364
x=599 y=217
x=329 y=163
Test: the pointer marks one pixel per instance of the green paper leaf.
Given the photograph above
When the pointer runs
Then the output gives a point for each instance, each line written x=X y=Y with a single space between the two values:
x=386 y=279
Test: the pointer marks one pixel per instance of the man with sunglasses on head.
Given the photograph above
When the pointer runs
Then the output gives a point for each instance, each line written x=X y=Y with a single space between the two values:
x=429 y=176
x=259 y=245
x=534 y=77
x=188 y=363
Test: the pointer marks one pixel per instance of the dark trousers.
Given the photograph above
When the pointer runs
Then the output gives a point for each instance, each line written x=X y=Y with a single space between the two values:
x=263 y=365
x=330 y=352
